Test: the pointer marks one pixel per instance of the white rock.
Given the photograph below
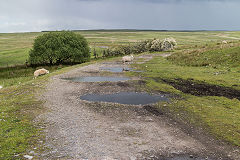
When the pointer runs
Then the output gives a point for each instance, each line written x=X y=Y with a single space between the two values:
x=108 y=158
x=148 y=119
x=28 y=157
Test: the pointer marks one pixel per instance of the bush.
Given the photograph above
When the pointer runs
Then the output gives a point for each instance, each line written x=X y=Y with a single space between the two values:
x=124 y=50
x=116 y=51
x=104 y=53
x=140 y=47
x=95 y=53
x=156 y=45
x=161 y=45
x=152 y=45
x=59 y=48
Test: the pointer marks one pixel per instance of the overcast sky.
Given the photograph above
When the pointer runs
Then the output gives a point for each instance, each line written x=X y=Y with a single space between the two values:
x=38 y=15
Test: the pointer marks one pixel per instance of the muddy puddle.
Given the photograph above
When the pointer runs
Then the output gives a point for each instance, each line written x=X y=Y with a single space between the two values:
x=119 y=69
x=97 y=79
x=131 y=98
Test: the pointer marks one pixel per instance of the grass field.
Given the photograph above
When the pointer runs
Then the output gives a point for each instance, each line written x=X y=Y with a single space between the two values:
x=199 y=58
x=14 y=47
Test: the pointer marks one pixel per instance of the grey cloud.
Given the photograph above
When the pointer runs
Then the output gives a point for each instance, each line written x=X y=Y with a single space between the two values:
x=37 y=15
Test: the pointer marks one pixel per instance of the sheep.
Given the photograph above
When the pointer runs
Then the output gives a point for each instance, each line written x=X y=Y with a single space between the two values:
x=224 y=42
x=1 y=87
x=40 y=72
x=127 y=58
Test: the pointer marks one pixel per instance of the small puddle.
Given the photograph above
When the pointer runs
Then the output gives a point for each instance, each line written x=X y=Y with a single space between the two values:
x=115 y=69
x=131 y=98
x=119 y=69
x=104 y=47
x=97 y=79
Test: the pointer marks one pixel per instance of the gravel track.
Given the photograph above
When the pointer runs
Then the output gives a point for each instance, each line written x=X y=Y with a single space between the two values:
x=78 y=129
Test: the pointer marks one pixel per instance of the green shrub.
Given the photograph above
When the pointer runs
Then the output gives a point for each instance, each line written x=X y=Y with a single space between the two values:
x=161 y=45
x=127 y=49
x=116 y=51
x=104 y=53
x=140 y=47
x=95 y=53
x=151 y=45
x=59 y=48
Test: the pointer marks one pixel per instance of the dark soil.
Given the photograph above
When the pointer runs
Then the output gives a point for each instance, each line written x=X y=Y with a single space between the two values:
x=199 y=88
x=153 y=110
x=122 y=84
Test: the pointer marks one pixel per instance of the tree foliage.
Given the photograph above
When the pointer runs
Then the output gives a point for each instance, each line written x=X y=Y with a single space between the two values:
x=59 y=48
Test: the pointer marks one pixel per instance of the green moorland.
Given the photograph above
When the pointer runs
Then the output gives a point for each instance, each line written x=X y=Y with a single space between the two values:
x=14 y=47
x=200 y=56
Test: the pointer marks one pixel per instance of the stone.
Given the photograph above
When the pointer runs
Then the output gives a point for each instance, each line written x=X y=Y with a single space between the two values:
x=28 y=157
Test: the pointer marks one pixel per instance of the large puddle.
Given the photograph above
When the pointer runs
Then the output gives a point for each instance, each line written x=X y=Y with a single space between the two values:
x=119 y=69
x=97 y=79
x=131 y=98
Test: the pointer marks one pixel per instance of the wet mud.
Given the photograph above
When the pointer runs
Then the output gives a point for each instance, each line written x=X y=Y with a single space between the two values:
x=199 y=88
x=130 y=98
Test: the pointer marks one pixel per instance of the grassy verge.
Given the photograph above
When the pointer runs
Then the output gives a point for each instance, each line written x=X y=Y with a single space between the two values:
x=19 y=74
x=19 y=107
x=220 y=116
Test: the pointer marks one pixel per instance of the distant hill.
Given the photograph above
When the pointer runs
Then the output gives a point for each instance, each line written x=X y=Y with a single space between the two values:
x=139 y=30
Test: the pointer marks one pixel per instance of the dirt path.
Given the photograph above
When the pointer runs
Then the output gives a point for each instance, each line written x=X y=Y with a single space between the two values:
x=78 y=129
x=227 y=36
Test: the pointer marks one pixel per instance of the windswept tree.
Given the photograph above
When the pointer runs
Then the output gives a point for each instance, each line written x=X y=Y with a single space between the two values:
x=59 y=48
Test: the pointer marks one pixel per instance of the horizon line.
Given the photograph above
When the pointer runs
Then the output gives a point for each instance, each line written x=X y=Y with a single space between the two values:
x=157 y=30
